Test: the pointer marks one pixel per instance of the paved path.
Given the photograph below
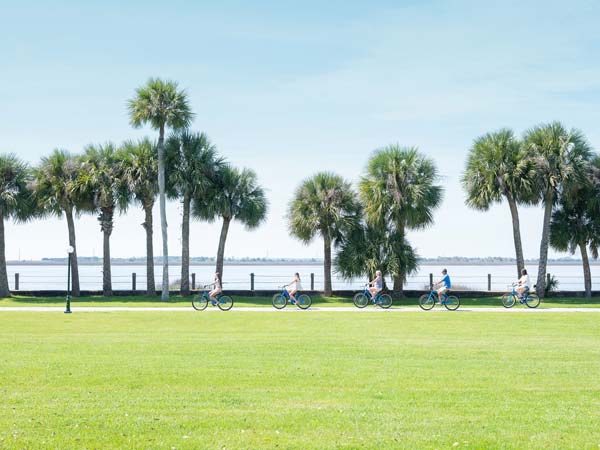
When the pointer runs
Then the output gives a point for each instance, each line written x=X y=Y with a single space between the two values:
x=81 y=309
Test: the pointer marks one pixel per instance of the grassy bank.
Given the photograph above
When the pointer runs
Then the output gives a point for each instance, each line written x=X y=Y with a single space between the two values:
x=240 y=302
x=323 y=380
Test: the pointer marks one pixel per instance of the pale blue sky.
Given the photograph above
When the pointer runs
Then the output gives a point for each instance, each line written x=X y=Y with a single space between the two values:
x=290 y=88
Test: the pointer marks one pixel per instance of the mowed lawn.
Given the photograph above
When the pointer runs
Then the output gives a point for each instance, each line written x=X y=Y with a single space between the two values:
x=265 y=301
x=251 y=380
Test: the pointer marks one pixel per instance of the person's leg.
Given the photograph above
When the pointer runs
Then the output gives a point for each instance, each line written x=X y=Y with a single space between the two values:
x=520 y=292
x=292 y=294
x=441 y=293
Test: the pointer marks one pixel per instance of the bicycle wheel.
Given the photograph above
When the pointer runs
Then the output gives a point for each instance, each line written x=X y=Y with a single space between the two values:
x=384 y=301
x=225 y=303
x=360 y=300
x=303 y=301
x=199 y=302
x=532 y=301
x=279 y=301
x=426 y=302
x=452 y=303
x=508 y=300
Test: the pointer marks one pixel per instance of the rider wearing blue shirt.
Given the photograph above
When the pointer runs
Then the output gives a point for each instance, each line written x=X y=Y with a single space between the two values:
x=445 y=282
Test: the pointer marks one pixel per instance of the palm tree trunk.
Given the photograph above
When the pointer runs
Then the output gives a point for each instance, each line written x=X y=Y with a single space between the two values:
x=185 y=246
x=163 y=214
x=75 y=289
x=106 y=224
x=587 y=274
x=4 y=288
x=148 y=226
x=327 y=264
x=541 y=279
x=221 y=250
x=514 y=212
x=398 y=286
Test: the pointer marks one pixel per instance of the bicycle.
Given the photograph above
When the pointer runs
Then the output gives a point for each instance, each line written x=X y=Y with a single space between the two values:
x=530 y=300
x=428 y=301
x=361 y=299
x=280 y=301
x=200 y=302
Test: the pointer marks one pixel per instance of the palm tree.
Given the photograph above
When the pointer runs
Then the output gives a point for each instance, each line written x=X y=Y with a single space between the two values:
x=575 y=223
x=56 y=192
x=560 y=157
x=139 y=166
x=497 y=169
x=324 y=205
x=399 y=193
x=236 y=196
x=16 y=202
x=366 y=249
x=161 y=104
x=192 y=163
x=102 y=179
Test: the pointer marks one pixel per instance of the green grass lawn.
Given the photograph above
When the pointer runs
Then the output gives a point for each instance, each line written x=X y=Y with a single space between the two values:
x=318 y=301
x=299 y=381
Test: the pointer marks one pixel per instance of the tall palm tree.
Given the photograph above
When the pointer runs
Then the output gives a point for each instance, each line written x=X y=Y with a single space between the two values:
x=497 y=169
x=139 y=166
x=324 y=204
x=56 y=192
x=161 y=104
x=236 y=196
x=575 y=222
x=191 y=163
x=16 y=202
x=561 y=157
x=102 y=179
x=399 y=193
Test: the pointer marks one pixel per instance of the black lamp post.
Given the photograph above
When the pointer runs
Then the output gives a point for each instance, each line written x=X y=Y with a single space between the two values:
x=70 y=251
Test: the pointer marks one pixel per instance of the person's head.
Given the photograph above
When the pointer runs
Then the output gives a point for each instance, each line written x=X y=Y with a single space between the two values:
x=217 y=275
x=524 y=272
x=378 y=273
x=444 y=272
x=297 y=275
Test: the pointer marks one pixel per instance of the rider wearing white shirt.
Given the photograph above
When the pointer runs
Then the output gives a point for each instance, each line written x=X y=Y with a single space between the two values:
x=294 y=286
x=523 y=283
x=376 y=286
x=217 y=288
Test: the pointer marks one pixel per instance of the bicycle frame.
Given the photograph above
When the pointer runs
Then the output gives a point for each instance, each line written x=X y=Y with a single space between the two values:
x=286 y=294
x=368 y=294
x=206 y=294
x=516 y=294
x=433 y=293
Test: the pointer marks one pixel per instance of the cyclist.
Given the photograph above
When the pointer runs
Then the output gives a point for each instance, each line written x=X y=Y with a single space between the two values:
x=523 y=283
x=216 y=288
x=376 y=286
x=445 y=281
x=294 y=286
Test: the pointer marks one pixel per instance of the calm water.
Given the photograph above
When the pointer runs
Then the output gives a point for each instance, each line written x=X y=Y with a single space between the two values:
x=270 y=276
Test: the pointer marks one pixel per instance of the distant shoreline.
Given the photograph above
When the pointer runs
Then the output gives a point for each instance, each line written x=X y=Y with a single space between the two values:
x=293 y=263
